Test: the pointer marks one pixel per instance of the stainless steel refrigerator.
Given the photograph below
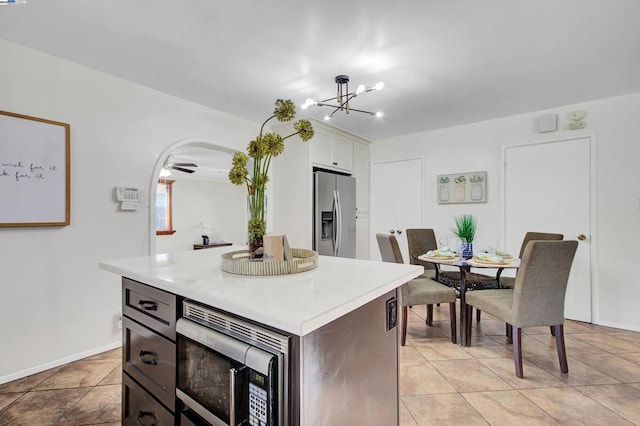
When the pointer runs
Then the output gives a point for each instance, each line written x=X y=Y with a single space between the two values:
x=334 y=214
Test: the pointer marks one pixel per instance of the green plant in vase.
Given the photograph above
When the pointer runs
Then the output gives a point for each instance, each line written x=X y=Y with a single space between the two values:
x=465 y=230
x=262 y=149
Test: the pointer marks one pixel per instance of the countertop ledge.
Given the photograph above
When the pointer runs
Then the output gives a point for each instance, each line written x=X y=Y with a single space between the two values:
x=297 y=303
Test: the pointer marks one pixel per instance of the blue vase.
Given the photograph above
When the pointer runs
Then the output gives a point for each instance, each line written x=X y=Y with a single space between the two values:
x=467 y=250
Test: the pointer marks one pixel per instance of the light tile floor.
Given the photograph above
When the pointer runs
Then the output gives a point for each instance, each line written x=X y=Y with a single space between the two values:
x=440 y=383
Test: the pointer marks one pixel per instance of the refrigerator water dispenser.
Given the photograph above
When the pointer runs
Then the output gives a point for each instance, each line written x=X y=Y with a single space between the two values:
x=327 y=225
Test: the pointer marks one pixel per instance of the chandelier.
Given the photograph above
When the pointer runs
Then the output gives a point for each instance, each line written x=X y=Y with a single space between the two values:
x=342 y=100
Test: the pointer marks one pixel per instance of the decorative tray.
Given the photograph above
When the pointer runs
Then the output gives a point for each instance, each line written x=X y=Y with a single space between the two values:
x=238 y=262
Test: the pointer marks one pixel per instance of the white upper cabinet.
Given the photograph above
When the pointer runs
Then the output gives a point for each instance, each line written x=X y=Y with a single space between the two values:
x=332 y=151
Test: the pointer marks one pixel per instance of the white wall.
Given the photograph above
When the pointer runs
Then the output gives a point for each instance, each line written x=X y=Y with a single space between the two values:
x=56 y=305
x=219 y=204
x=614 y=123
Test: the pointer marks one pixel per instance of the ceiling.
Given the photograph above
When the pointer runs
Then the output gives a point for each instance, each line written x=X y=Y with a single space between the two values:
x=444 y=63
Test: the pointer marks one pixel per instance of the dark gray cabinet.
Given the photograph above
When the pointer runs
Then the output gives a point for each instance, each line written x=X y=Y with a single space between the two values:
x=149 y=354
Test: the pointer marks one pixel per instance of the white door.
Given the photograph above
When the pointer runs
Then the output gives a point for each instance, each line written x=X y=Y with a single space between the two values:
x=548 y=189
x=396 y=201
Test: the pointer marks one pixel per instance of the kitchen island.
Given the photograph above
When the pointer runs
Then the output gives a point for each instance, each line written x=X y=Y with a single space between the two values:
x=339 y=318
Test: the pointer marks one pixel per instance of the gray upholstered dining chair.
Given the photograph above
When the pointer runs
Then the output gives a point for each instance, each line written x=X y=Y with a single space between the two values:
x=420 y=241
x=537 y=298
x=509 y=282
x=418 y=291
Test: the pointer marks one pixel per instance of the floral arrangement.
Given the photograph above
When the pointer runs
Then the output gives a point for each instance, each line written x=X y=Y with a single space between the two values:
x=262 y=149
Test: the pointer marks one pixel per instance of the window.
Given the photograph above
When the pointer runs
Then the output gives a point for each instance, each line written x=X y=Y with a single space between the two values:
x=164 y=224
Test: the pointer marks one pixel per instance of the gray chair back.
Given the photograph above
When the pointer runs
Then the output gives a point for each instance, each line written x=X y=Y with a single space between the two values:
x=389 y=248
x=541 y=283
x=538 y=236
x=420 y=241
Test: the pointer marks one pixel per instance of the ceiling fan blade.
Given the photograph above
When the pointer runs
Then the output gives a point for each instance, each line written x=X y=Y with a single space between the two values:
x=184 y=164
x=181 y=169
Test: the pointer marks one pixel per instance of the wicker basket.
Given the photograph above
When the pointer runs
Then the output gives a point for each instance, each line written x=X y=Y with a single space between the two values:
x=238 y=262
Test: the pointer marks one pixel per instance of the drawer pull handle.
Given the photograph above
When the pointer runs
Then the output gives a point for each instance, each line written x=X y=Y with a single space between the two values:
x=145 y=416
x=148 y=357
x=148 y=305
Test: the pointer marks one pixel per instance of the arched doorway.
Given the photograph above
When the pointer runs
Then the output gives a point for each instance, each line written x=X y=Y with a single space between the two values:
x=199 y=151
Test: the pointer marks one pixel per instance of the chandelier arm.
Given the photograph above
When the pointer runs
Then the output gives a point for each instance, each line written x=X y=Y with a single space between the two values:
x=335 y=110
x=361 y=110
x=349 y=96
x=338 y=108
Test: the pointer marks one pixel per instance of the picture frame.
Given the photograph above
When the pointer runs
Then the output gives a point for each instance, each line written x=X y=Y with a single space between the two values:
x=460 y=188
x=35 y=177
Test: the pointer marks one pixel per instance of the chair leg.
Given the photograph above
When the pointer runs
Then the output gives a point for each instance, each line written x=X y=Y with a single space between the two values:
x=469 y=321
x=452 y=318
x=403 y=338
x=509 y=332
x=562 y=351
x=517 y=351
x=429 y=314
x=478 y=313
x=553 y=331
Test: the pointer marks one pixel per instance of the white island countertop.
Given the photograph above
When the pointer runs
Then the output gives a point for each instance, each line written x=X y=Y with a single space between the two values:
x=297 y=303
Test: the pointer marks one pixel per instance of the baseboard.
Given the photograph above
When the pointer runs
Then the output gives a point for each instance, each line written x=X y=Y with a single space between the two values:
x=58 y=363
x=616 y=325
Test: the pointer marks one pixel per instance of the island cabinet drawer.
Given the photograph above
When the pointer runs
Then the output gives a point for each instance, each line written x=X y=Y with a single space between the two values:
x=150 y=306
x=151 y=360
x=140 y=408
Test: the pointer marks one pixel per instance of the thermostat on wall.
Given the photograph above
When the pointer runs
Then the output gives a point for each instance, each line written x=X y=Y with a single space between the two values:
x=129 y=197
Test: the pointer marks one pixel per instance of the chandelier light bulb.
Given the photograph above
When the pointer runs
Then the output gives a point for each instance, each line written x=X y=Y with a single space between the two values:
x=379 y=114
x=307 y=103
x=360 y=89
x=379 y=85
x=327 y=117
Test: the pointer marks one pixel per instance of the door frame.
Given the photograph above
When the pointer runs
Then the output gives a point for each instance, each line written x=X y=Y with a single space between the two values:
x=593 y=242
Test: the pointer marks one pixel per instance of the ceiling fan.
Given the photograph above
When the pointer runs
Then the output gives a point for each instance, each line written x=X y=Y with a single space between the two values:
x=181 y=167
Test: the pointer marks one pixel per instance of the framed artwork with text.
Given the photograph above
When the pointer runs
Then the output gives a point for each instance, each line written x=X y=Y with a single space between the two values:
x=34 y=171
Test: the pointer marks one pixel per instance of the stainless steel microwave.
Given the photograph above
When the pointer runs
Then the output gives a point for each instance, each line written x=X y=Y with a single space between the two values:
x=225 y=378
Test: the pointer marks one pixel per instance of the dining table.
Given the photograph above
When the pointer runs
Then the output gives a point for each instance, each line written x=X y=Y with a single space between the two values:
x=465 y=265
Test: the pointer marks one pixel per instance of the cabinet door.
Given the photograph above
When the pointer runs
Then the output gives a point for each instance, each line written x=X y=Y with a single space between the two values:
x=140 y=408
x=361 y=173
x=362 y=236
x=342 y=153
x=152 y=307
x=151 y=360
x=320 y=147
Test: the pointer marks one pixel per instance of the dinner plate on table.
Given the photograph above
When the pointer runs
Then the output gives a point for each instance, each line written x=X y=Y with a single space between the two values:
x=438 y=258
x=498 y=263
